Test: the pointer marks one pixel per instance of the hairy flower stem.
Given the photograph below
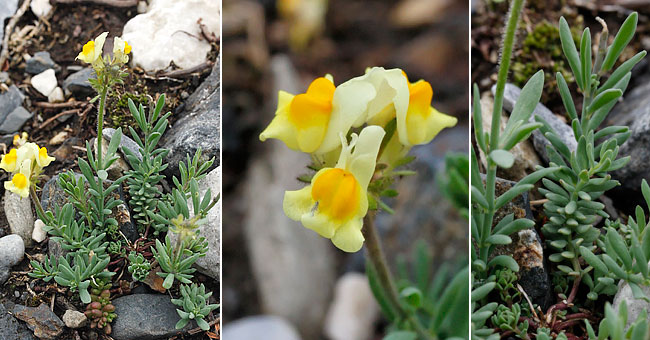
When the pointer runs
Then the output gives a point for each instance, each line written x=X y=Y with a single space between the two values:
x=506 y=55
x=376 y=255
x=37 y=203
x=100 y=126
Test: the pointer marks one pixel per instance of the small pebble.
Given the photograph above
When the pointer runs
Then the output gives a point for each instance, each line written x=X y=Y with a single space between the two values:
x=56 y=96
x=45 y=82
x=38 y=234
x=74 y=319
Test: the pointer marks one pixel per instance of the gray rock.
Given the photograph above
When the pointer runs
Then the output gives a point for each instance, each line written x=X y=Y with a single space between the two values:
x=55 y=249
x=40 y=62
x=635 y=106
x=634 y=306
x=198 y=126
x=119 y=167
x=15 y=120
x=12 y=250
x=74 y=319
x=7 y=9
x=146 y=317
x=526 y=248
x=277 y=253
x=564 y=131
x=125 y=142
x=41 y=320
x=525 y=156
x=9 y=101
x=260 y=327
x=10 y=328
x=637 y=146
x=353 y=311
x=211 y=262
x=77 y=83
x=53 y=196
x=20 y=216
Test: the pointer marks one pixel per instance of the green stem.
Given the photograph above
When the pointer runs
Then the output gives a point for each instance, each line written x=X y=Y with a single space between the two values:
x=506 y=55
x=100 y=127
x=39 y=208
x=375 y=254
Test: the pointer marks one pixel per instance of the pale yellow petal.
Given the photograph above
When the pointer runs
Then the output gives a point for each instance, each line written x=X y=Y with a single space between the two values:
x=297 y=203
x=280 y=127
x=394 y=151
x=421 y=130
x=319 y=223
x=363 y=159
x=349 y=105
x=349 y=237
x=99 y=45
x=392 y=97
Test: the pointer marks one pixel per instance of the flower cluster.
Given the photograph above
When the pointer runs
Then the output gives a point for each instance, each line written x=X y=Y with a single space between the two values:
x=382 y=104
x=25 y=163
x=93 y=50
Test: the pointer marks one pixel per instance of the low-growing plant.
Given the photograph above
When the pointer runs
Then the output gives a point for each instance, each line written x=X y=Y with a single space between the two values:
x=101 y=311
x=194 y=306
x=95 y=245
x=138 y=266
x=584 y=256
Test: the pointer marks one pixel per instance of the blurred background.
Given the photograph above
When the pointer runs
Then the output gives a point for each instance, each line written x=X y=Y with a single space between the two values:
x=278 y=277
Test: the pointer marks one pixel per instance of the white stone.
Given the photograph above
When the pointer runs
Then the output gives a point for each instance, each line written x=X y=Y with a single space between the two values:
x=354 y=311
x=38 y=234
x=41 y=8
x=56 y=96
x=260 y=327
x=634 y=306
x=59 y=138
x=45 y=82
x=74 y=319
x=20 y=216
x=142 y=7
x=211 y=262
x=12 y=250
x=170 y=31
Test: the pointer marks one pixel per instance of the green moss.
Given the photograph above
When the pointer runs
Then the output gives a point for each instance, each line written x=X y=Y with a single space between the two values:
x=542 y=49
x=119 y=114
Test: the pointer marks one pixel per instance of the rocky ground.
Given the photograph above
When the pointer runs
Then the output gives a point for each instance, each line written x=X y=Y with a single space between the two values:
x=45 y=92
x=538 y=46
x=281 y=280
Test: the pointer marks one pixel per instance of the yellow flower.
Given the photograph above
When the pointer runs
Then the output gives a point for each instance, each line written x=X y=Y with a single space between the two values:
x=311 y=122
x=336 y=202
x=409 y=103
x=20 y=139
x=92 y=50
x=19 y=183
x=29 y=151
x=43 y=158
x=422 y=122
x=121 y=50
x=9 y=161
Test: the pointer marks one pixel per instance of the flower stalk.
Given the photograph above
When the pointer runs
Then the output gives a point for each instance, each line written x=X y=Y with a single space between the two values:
x=376 y=255
x=506 y=55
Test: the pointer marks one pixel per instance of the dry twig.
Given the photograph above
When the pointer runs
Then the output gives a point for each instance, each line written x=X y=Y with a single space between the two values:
x=9 y=29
